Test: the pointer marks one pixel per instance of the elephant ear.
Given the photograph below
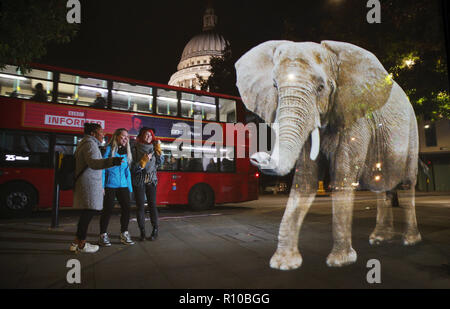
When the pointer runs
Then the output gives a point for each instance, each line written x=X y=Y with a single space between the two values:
x=255 y=82
x=363 y=85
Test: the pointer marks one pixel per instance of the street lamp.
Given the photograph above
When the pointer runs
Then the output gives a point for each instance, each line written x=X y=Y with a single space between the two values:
x=409 y=61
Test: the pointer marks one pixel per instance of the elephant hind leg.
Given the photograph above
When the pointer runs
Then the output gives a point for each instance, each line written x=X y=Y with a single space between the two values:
x=384 y=229
x=406 y=198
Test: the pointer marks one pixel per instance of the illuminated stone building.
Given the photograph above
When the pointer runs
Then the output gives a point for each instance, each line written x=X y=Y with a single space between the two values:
x=198 y=52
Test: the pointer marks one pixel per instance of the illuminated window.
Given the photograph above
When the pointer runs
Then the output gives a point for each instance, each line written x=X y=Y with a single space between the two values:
x=192 y=104
x=36 y=84
x=84 y=91
x=227 y=110
x=170 y=160
x=132 y=97
x=166 y=102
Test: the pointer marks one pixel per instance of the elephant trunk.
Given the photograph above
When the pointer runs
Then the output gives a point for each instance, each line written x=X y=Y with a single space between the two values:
x=297 y=116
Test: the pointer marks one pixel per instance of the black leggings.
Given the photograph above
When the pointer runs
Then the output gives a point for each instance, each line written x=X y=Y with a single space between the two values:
x=83 y=222
x=123 y=196
x=148 y=190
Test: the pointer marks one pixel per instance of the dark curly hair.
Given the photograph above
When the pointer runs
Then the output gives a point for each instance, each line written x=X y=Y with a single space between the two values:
x=91 y=127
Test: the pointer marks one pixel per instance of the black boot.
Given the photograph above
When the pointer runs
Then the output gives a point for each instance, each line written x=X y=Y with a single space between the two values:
x=154 y=233
x=142 y=238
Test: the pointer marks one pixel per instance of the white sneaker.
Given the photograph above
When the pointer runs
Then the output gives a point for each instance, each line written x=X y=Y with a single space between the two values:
x=88 y=248
x=104 y=240
x=126 y=239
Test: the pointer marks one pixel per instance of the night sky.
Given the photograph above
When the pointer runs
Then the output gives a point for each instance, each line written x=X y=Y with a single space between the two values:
x=144 y=39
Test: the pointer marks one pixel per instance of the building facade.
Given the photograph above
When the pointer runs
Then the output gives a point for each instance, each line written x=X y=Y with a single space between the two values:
x=434 y=151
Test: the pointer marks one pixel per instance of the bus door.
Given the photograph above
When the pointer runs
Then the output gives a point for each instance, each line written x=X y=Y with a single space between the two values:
x=66 y=145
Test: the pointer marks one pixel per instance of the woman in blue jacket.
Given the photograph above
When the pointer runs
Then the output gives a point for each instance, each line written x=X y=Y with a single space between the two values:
x=117 y=183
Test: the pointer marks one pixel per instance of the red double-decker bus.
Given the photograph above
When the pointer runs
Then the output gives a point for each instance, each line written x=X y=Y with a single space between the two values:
x=33 y=127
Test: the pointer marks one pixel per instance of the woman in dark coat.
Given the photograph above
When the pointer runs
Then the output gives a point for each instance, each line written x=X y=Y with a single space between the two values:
x=147 y=157
x=88 y=191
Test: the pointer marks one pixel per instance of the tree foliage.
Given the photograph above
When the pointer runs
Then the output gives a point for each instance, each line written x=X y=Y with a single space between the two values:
x=28 y=27
x=416 y=56
x=223 y=74
x=409 y=42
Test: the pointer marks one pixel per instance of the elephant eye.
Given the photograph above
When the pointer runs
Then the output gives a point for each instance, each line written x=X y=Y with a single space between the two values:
x=320 y=88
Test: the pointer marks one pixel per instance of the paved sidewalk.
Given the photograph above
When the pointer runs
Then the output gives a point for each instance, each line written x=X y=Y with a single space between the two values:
x=227 y=247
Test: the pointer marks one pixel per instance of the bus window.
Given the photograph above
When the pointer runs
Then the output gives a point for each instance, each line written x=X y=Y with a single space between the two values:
x=24 y=149
x=210 y=164
x=196 y=162
x=15 y=84
x=227 y=162
x=39 y=74
x=227 y=110
x=195 y=165
x=166 y=102
x=132 y=97
x=192 y=104
x=170 y=161
x=227 y=165
x=191 y=164
x=66 y=144
x=77 y=90
x=184 y=162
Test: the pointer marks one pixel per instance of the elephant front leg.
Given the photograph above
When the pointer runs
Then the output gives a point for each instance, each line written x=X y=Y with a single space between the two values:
x=342 y=252
x=303 y=191
x=406 y=200
x=384 y=229
x=287 y=255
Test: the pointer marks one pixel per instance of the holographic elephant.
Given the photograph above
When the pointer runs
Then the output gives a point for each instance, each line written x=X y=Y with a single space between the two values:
x=357 y=116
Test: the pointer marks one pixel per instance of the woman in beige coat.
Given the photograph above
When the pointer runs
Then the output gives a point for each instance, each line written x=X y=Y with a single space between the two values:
x=88 y=192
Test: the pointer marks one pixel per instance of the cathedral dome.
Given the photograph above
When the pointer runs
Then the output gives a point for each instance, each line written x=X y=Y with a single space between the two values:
x=207 y=43
x=197 y=54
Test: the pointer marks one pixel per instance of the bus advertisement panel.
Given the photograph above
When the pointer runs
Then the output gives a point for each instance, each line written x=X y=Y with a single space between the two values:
x=68 y=118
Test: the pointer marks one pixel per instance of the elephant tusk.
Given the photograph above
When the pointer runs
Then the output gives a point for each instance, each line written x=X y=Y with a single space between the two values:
x=315 y=144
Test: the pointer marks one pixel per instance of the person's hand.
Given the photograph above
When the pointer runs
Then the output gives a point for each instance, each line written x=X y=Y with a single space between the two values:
x=149 y=156
x=158 y=149
x=117 y=160
x=145 y=158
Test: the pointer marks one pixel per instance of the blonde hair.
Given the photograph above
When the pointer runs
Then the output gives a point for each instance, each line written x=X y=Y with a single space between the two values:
x=114 y=145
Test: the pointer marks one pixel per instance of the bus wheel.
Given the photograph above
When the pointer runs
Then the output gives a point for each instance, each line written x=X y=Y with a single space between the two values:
x=201 y=197
x=17 y=199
